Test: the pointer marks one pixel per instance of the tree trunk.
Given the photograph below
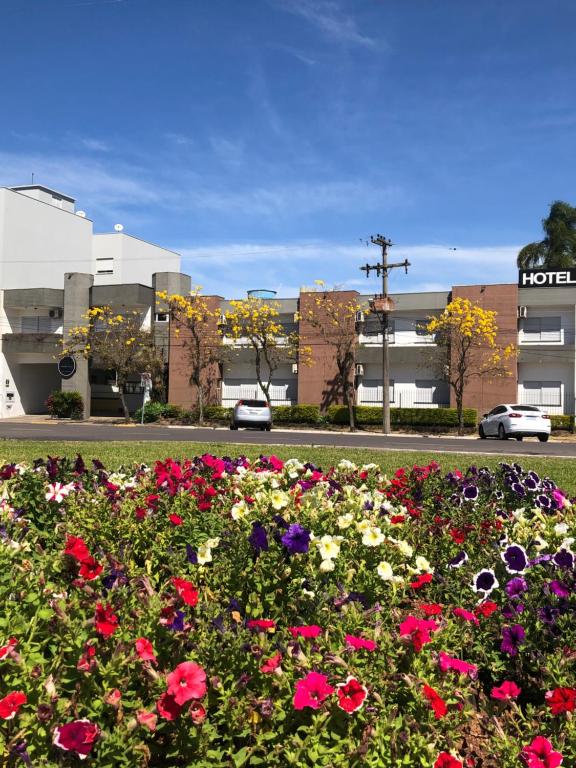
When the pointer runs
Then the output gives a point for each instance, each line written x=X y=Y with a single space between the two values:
x=123 y=400
x=460 y=412
x=200 y=402
x=349 y=401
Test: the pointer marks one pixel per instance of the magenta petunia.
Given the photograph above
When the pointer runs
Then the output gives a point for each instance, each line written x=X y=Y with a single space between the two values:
x=449 y=663
x=310 y=631
x=187 y=681
x=312 y=691
x=358 y=643
x=540 y=754
x=508 y=691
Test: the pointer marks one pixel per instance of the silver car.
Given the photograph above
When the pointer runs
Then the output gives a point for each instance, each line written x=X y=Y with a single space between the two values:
x=515 y=421
x=251 y=413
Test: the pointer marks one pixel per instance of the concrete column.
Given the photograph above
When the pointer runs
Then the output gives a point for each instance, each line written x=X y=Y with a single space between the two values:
x=76 y=303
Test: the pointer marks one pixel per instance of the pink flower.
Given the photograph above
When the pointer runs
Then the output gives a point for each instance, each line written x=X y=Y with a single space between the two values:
x=311 y=691
x=10 y=704
x=351 y=695
x=360 y=643
x=187 y=681
x=87 y=662
x=539 y=754
x=186 y=591
x=147 y=719
x=113 y=698
x=167 y=707
x=5 y=650
x=78 y=736
x=271 y=664
x=418 y=630
x=457 y=665
x=262 y=625
x=462 y=613
x=106 y=621
x=57 y=492
x=310 y=631
x=197 y=713
x=145 y=650
x=508 y=691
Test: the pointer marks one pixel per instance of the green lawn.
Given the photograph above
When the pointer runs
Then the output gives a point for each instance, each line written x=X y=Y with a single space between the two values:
x=562 y=471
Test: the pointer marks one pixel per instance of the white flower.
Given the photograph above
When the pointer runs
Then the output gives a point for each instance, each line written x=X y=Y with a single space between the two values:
x=329 y=546
x=212 y=543
x=423 y=565
x=204 y=554
x=345 y=521
x=239 y=510
x=561 y=529
x=406 y=549
x=57 y=492
x=327 y=565
x=364 y=525
x=385 y=571
x=540 y=543
x=373 y=537
x=279 y=499
x=345 y=464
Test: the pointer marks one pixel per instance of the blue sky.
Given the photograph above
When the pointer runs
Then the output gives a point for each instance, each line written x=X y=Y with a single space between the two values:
x=266 y=139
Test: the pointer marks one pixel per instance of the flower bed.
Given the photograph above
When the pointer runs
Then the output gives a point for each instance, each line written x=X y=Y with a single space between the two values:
x=219 y=612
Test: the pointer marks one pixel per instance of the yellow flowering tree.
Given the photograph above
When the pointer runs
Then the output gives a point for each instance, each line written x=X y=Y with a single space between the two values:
x=255 y=323
x=114 y=342
x=466 y=335
x=332 y=314
x=196 y=320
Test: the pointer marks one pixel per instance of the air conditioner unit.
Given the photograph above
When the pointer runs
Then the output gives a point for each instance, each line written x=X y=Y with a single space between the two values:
x=294 y=367
x=359 y=369
x=522 y=311
x=359 y=316
x=57 y=313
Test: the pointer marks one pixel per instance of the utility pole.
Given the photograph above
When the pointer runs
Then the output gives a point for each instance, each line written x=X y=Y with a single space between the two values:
x=382 y=306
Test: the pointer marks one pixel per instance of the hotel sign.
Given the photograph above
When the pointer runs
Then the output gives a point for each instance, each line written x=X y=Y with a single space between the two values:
x=546 y=278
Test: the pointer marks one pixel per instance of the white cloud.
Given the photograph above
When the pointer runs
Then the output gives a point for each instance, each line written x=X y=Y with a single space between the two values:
x=95 y=144
x=330 y=18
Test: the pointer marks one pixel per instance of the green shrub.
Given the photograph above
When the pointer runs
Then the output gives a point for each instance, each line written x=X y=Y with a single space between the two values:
x=296 y=414
x=152 y=412
x=216 y=413
x=562 y=422
x=403 y=417
x=65 y=405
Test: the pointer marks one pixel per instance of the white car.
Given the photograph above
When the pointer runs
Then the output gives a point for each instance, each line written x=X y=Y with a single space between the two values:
x=517 y=421
x=251 y=413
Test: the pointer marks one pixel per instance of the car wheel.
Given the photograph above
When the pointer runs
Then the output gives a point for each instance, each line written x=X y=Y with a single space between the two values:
x=481 y=432
x=262 y=428
x=519 y=438
x=543 y=438
x=502 y=432
x=233 y=426
x=268 y=427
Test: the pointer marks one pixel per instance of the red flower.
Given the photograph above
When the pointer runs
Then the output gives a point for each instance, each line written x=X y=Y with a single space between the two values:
x=197 y=712
x=458 y=535
x=5 y=650
x=261 y=624
x=76 y=548
x=186 y=591
x=10 y=704
x=445 y=760
x=436 y=702
x=145 y=650
x=87 y=662
x=311 y=691
x=141 y=513
x=187 y=681
x=486 y=609
x=147 y=719
x=311 y=631
x=418 y=630
x=175 y=519
x=506 y=692
x=360 y=642
x=561 y=700
x=539 y=754
x=462 y=613
x=431 y=609
x=90 y=569
x=105 y=620
x=271 y=664
x=78 y=736
x=423 y=579
x=351 y=695
x=397 y=519
x=167 y=707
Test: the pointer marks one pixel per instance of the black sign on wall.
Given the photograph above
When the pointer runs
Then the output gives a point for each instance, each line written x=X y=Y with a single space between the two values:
x=67 y=366
x=546 y=278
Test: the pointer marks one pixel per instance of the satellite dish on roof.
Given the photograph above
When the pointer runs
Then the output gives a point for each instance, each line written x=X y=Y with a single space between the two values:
x=119 y=227
x=82 y=214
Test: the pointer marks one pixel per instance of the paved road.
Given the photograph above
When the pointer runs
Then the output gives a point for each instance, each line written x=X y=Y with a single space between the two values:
x=48 y=430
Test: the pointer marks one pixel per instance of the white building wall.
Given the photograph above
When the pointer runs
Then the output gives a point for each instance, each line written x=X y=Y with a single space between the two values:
x=548 y=333
x=411 y=386
x=121 y=258
x=39 y=242
x=240 y=382
x=549 y=384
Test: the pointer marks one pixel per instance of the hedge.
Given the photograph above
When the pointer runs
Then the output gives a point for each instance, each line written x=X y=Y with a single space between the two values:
x=154 y=411
x=405 y=417
x=296 y=414
x=562 y=422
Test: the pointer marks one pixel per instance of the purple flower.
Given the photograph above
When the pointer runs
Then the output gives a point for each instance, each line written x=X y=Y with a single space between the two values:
x=559 y=589
x=485 y=581
x=458 y=560
x=510 y=610
x=518 y=489
x=191 y=554
x=471 y=493
x=548 y=615
x=515 y=558
x=543 y=501
x=296 y=539
x=530 y=484
x=516 y=586
x=512 y=639
x=177 y=624
x=258 y=538
x=563 y=559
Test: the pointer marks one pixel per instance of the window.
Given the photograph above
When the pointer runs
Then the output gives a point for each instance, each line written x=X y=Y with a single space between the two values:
x=161 y=317
x=430 y=391
x=542 y=392
x=542 y=329
x=105 y=272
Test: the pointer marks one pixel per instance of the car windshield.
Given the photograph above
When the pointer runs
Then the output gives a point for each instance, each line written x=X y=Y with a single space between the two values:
x=525 y=408
x=254 y=403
